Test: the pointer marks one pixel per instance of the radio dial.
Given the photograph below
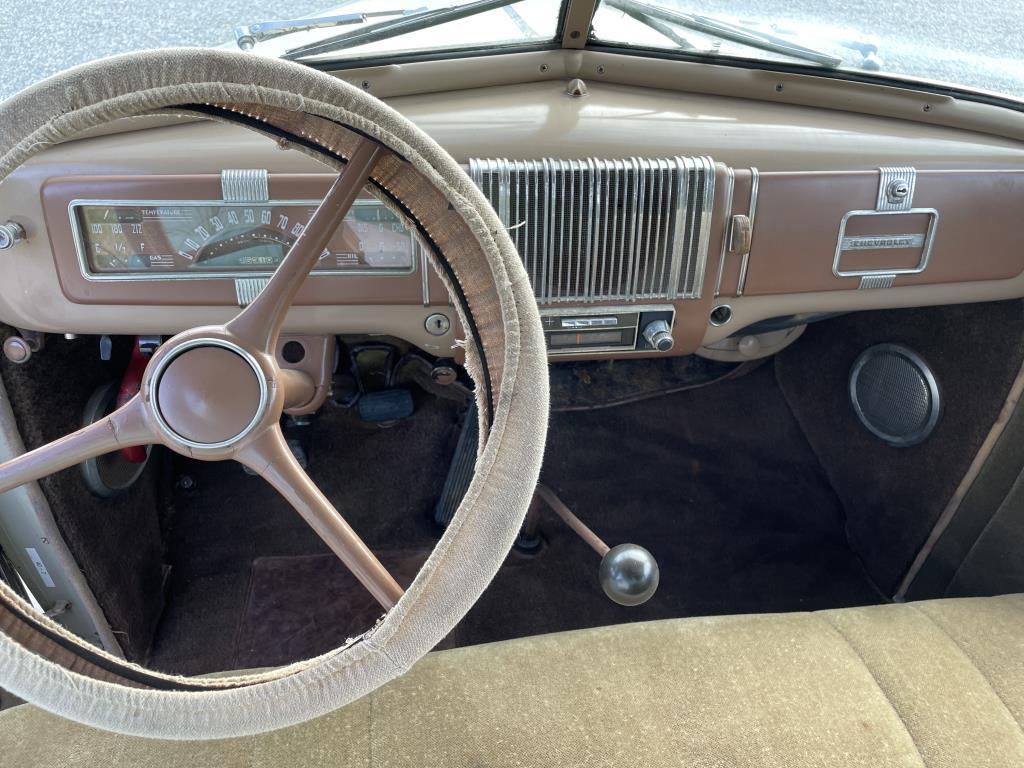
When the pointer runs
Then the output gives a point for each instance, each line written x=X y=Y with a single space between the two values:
x=659 y=335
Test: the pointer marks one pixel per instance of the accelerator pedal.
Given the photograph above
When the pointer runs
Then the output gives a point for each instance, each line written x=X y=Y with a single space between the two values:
x=460 y=473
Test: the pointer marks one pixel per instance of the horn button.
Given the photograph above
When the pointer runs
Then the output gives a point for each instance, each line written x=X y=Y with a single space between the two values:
x=209 y=395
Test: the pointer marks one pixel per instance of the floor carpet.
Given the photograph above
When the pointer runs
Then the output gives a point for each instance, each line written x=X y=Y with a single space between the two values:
x=719 y=483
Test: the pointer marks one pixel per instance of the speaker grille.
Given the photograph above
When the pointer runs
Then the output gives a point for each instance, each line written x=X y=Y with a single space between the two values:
x=598 y=230
x=895 y=394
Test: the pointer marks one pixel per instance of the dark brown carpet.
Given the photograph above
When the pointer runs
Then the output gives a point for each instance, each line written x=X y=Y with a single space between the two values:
x=719 y=483
x=305 y=605
x=384 y=480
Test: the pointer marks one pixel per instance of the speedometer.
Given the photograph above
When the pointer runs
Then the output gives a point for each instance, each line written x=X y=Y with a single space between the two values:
x=226 y=239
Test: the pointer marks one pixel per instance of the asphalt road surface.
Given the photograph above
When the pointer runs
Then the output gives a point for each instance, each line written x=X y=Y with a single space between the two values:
x=973 y=42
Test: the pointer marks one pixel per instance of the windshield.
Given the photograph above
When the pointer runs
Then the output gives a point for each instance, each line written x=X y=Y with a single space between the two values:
x=957 y=43
x=964 y=44
x=62 y=33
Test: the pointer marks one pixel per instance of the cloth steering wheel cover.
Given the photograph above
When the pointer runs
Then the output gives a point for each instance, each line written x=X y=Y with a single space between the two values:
x=509 y=363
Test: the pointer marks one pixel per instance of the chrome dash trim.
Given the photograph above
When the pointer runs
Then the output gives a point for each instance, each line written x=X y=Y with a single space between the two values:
x=425 y=272
x=872 y=282
x=895 y=243
x=244 y=185
x=695 y=289
x=248 y=288
x=730 y=186
x=755 y=183
x=680 y=223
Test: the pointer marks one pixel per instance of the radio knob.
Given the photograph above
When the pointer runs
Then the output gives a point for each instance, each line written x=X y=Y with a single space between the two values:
x=659 y=335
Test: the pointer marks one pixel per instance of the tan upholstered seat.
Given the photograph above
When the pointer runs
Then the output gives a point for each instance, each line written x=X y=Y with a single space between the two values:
x=930 y=684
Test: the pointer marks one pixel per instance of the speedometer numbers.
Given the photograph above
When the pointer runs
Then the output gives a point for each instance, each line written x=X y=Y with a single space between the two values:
x=208 y=238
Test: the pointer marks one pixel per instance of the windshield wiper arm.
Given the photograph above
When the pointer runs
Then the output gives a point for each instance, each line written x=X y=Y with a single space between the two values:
x=725 y=30
x=641 y=12
x=247 y=35
x=388 y=29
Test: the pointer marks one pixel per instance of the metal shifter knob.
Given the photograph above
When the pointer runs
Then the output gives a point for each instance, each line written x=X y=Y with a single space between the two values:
x=11 y=234
x=659 y=335
x=629 y=574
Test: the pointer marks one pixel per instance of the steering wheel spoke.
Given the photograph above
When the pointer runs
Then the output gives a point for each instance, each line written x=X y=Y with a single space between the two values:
x=259 y=324
x=270 y=457
x=126 y=427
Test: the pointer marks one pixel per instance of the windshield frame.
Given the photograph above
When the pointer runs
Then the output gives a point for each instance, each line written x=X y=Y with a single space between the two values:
x=591 y=43
x=887 y=80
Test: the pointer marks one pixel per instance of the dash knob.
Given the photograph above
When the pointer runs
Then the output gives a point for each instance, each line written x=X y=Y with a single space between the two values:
x=659 y=335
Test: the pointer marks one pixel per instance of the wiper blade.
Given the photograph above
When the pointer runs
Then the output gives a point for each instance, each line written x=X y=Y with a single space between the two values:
x=247 y=35
x=388 y=29
x=725 y=30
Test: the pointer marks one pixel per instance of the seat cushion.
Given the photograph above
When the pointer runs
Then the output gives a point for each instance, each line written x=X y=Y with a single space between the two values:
x=937 y=683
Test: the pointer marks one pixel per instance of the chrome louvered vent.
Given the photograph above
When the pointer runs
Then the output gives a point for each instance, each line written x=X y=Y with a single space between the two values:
x=596 y=230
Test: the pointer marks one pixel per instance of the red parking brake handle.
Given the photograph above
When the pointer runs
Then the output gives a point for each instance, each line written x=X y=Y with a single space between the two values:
x=131 y=383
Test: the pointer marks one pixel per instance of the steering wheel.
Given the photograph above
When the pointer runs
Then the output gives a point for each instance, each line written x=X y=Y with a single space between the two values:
x=216 y=392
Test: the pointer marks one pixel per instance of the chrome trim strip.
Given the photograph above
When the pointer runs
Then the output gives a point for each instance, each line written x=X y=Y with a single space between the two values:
x=657 y=268
x=730 y=186
x=425 y=272
x=248 y=288
x=549 y=231
x=635 y=226
x=755 y=178
x=503 y=192
x=679 y=224
x=244 y=185
x=871 y=282
x=593 y=199
x=565 y=235
x=625 y=191
x=601 y=287
x=926 y=251
x=696 y=288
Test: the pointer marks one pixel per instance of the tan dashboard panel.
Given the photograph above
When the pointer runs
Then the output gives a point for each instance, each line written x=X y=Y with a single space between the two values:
x=799 y=217
x=799 y=212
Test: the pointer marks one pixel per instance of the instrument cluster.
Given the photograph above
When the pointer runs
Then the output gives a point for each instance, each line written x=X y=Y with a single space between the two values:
x=209 y=238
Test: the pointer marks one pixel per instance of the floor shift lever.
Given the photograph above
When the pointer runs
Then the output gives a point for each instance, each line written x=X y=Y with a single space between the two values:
x=628 y=574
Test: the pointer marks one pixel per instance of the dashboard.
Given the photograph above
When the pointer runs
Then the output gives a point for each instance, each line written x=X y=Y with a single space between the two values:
x=650 y=222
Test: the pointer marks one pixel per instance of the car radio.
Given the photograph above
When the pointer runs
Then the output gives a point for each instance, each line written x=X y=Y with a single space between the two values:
x=608 y=329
